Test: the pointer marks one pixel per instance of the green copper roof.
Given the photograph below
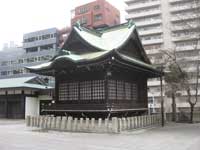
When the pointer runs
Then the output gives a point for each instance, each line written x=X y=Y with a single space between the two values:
x=22 y=82
x=106 y=39
x=109 y=41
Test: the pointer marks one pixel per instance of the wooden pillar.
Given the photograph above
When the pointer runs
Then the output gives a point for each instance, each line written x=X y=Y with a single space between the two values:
x=23 y=104
x=56 y=88
x=6 y=105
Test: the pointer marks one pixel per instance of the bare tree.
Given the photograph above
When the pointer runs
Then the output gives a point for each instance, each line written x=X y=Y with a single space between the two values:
x=174 y=77
x=190 y=31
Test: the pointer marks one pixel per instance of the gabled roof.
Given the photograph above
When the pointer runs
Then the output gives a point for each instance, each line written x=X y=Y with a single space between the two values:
x=105 y=39
x=106 y=42
x=22 y=82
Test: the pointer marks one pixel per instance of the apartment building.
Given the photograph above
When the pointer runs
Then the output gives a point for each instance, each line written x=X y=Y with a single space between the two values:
x=96 y=14
x=38 y=47
x=168 y=25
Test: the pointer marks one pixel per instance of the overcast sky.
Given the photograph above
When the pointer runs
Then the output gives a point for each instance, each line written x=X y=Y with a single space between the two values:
x=22 y=16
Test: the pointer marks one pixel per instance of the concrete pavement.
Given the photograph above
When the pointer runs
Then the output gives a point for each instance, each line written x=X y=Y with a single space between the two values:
x=172 y=137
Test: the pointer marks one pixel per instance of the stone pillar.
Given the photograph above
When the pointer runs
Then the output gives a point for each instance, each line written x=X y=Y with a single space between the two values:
x=138 y=122
x=106 y=125
x=28 y=118
x=148 y=120
x=92 y=127
x=87 y=124
x=63 y=123
x=58 y=122
x=124 y=125
x=31 y=121
x=135 y=122
x=48 y=122
x=141 y=121
x=38 y=121
x=41 y=122
x=81 y=124
x=132 y=123
x=74 y=125
x=45 y=122
x=53 y=123
x=114 y=125
x=128 y=123
x=99 y=129
x=69 y=123
x=119 y=124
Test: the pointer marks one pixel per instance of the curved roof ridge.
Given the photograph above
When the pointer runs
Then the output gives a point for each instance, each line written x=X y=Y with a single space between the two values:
x=112 y=39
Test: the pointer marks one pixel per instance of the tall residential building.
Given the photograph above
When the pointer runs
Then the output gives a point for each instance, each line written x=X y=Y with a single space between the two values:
x=38 y=47
x=168 y=25
x=96 y=14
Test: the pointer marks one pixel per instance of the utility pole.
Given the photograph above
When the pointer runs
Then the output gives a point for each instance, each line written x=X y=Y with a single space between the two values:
x=162 y=100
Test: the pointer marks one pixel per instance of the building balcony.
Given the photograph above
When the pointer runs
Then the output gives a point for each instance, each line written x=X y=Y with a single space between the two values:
x=188 y=59
x=142 y=5
x=187 y=48
x=153 y=51
x=184 y=27
x=176 y=1
x=150 y=32
x=139 y=15
x=151 y=42
x=181 y=8
x=178 y=18
x=147 y=23
x=153 y=83
x=39 y=43
x=185 y=38
x=128 y=1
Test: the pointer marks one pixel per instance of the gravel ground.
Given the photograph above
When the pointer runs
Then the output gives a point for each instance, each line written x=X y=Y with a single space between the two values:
x=15 y=136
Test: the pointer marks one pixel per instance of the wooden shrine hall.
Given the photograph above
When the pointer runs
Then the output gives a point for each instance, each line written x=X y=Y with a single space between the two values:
x=100 y=73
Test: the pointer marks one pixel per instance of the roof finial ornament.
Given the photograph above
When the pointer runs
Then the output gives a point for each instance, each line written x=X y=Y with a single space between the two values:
x=78 y=25
x=130 y=23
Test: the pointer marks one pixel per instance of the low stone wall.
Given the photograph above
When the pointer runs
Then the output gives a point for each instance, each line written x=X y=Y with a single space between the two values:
x=183 y=117
x=113 y=125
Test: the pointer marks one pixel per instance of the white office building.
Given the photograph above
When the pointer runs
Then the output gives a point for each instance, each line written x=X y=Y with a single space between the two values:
x=168 y=25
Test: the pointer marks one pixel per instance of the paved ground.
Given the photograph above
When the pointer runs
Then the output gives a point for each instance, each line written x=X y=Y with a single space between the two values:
x=15 y=136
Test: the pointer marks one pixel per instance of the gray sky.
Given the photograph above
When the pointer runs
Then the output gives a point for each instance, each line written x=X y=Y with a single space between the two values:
x=22 y=16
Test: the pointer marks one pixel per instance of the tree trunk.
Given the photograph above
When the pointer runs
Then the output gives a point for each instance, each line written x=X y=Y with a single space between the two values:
x=191 y=112
x=173 y=107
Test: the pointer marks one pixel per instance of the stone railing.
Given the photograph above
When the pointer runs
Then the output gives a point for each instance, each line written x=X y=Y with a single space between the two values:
x=113 y=125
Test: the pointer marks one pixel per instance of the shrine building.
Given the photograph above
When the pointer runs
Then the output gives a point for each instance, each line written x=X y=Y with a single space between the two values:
x=100 y=73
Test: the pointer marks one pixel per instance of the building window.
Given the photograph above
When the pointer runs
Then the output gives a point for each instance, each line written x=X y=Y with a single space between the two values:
x=134 y=91
x=85 y=90
x=96 y=7
x=4 y=73
x=30 y=60
x=73 y=91
x=127 y=91
x=120 y=90
x=89 y=90
x=20 y=61
x=4 y=63
x=83 y=20
x=83 y=10
x=98 y=17
x=112 y=89
x=98 y=91
x=68 y=91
